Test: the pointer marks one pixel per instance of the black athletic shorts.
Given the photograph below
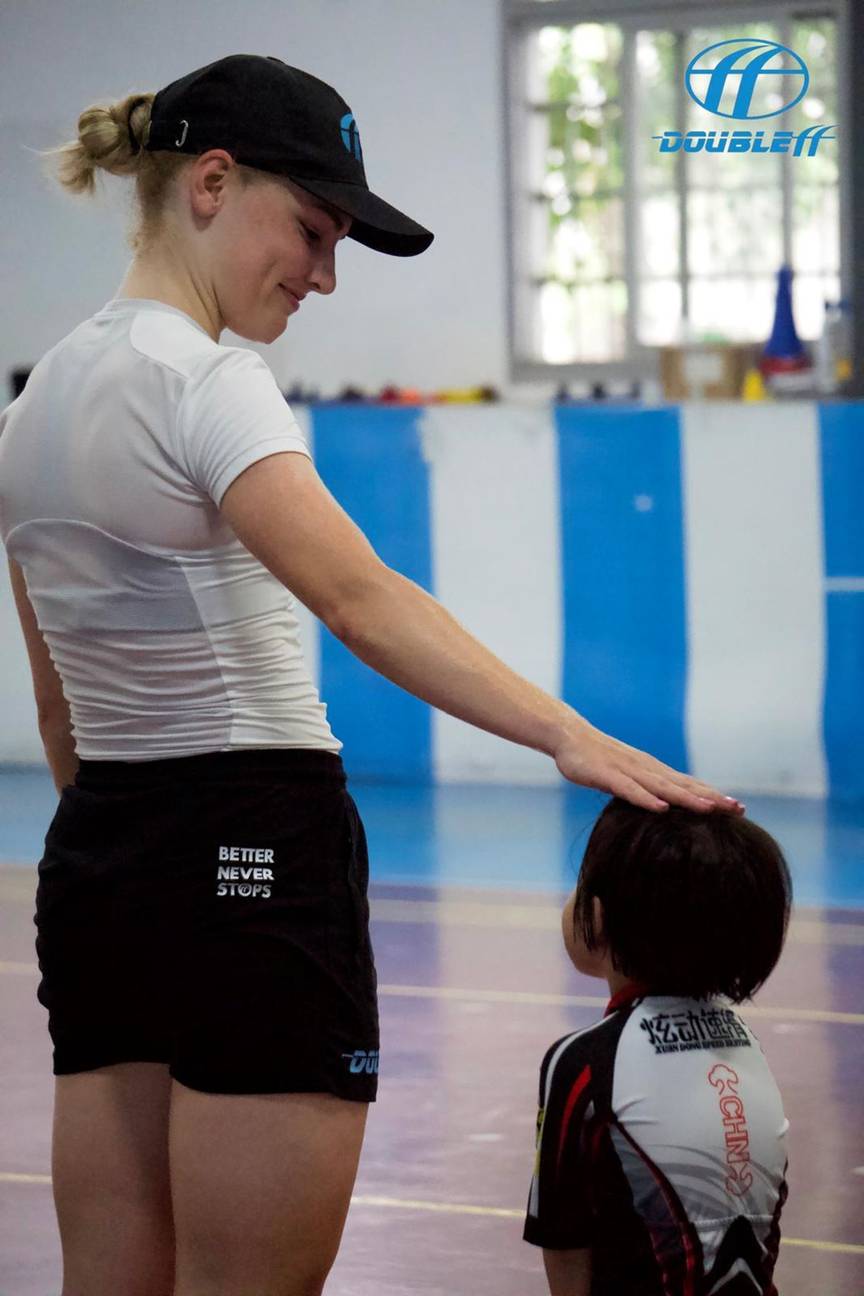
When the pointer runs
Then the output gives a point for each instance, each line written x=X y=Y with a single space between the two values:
x=210 y=912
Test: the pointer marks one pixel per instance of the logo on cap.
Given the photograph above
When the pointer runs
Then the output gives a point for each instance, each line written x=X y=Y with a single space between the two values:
x=351 y=136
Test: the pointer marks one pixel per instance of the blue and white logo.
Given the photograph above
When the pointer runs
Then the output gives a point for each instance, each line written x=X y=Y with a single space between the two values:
x=724 y=83
x=351 y=136
x=360 y=1061
x=724 y=79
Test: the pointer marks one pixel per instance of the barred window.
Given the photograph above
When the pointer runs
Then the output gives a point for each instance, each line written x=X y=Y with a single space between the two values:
x=616 y=245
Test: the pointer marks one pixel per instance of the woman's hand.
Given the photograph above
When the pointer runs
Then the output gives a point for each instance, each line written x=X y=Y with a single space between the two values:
x=590 y=757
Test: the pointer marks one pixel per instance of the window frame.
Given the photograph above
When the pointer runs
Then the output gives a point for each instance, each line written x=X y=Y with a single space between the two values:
x=521 y=19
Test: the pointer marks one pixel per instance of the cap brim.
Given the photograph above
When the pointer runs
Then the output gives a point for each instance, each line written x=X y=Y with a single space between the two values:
x=374 y=223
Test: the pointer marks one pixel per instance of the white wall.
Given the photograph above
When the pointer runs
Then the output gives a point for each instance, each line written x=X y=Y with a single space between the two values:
x=423 y=78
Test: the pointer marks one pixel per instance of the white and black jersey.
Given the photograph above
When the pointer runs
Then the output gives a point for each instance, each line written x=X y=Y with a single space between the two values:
x=661 y=1146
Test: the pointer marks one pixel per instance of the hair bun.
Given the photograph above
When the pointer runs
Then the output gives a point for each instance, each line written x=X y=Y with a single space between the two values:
x=108 y=140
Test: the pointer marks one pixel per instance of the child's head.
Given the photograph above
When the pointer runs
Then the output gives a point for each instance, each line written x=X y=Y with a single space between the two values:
x=681 y=903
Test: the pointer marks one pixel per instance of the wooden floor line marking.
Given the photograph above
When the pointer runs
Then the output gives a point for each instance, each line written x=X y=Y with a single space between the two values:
x=466 y=1208
x=474 y=913
x=807 y=927
x=514 y=997
x=543 y=999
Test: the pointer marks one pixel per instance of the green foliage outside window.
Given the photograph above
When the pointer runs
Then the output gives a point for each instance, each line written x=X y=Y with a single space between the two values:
x=733 y=206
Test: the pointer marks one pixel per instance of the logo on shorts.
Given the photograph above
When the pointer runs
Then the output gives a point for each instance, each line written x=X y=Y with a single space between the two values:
x=360 y=1061
x=235 y=880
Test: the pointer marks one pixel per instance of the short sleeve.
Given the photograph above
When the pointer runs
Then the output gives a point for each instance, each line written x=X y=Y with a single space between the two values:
x=232 y=414
x=560 y=1212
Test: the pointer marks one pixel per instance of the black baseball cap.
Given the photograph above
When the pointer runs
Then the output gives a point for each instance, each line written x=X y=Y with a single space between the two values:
x=276 y=118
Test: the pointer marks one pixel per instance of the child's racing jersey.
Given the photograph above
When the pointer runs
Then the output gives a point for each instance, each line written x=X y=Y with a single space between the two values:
x=661 y=1146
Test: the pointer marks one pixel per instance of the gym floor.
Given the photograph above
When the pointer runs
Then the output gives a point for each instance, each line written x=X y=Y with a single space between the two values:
x=467 y=884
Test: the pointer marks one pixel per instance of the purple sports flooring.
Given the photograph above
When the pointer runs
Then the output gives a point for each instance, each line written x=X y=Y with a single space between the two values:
x=474 y=987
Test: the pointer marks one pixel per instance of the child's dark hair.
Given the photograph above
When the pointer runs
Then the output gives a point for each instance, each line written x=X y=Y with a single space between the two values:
x=695 y=905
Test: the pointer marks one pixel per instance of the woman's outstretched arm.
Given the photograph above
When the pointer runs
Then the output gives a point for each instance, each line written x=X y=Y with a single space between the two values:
x=282 y=512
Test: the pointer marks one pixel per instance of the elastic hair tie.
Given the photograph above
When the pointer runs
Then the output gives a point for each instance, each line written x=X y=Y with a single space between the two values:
x=134 y=143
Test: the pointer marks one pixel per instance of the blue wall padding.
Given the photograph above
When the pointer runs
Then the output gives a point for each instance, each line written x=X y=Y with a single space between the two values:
x=371 y=461
x=842 y=446
x=625 y=643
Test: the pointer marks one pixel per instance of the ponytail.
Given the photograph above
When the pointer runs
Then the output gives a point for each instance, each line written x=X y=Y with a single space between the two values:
x=110 y=138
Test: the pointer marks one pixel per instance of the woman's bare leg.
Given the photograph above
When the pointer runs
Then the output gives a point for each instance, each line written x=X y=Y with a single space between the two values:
x=261 y=1186
x=112 y=1187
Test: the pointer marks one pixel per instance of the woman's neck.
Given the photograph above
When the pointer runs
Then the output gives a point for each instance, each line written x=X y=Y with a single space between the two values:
x=155 y=282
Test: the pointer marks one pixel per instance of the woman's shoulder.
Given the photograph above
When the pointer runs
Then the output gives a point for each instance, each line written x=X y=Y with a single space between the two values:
x=174 y=342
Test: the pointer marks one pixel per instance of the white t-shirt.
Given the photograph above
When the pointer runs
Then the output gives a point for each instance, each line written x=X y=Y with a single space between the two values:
x=170 y=638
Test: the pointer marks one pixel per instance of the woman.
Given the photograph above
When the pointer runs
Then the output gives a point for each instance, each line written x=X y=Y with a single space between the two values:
x=201 y=913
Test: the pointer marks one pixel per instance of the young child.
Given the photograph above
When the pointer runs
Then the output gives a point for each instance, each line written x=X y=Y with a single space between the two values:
x=661 y=1160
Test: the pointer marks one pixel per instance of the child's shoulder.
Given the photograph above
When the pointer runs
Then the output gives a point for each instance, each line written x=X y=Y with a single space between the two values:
x=587 y=1036
x=583 y=1048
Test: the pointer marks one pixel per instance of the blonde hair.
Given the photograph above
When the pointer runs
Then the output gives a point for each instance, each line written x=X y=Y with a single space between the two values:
x=111 y=137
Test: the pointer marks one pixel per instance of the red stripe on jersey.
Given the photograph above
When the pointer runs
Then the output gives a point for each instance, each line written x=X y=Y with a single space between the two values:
x=572 y=1099
x=629 y=993
x=597 y=1138
x=772 y=1241
x=689 y=1238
